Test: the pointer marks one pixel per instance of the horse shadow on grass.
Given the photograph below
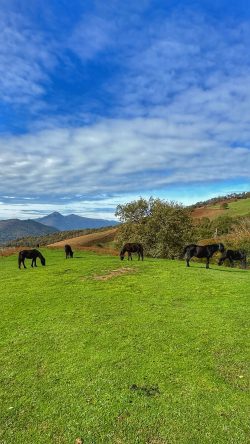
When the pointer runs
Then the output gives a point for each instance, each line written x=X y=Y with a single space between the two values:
x=239 y=270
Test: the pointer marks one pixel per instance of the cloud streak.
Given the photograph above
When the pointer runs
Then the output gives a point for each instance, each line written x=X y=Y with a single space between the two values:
x=120 y=155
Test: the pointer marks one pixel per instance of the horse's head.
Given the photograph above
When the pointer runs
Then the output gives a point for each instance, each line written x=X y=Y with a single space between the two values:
x=122 y=255
x=221 y=248
x=71 y=254
x=42 y=261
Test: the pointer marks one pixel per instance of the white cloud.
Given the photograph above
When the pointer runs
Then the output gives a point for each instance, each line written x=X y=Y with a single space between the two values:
x=121 y=155
x=26 y=58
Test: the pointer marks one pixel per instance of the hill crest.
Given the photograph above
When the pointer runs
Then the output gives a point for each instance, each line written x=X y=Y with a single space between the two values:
x=73 y=221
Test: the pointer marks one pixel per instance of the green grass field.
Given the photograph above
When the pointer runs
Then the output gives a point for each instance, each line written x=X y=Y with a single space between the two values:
x=240 y=207
x=157 y=355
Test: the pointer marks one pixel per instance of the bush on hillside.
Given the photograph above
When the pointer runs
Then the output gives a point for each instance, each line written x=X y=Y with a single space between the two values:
x=206 y=228
x=240 y=238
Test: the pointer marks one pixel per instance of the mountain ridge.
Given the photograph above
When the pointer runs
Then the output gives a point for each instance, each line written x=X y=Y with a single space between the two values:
x=11 y=229
x=73 y=221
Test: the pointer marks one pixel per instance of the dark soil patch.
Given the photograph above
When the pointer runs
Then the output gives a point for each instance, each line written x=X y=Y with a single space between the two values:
x=146 y=390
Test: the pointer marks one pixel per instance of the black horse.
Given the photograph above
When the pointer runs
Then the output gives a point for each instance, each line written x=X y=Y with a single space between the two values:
x=132 y=248
x=201 y=251
x=68 y=251
x=30 y=254
x=234 y=255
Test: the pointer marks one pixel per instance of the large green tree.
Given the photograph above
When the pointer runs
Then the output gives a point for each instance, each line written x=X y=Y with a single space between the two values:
x=162 y=227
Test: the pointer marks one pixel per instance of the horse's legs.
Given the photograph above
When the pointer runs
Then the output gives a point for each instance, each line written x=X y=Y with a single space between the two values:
x=35 y=262
x=187 y=260
x=32 y=263
x=207 y=263
x=24 y=266
x=231 y=262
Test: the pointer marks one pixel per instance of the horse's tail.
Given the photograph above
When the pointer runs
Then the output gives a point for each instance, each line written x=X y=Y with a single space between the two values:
x=244 y=258
x=19 y=259
x=185 y=251
x=141 y=252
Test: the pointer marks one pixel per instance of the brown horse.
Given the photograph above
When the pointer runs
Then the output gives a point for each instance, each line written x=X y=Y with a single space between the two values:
x=132 y=248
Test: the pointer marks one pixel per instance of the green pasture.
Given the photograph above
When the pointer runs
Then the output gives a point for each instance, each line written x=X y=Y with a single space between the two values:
x=240 y=207
x=157 y=355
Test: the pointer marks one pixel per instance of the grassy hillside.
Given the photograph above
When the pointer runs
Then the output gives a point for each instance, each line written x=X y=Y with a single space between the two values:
x=100 y=240
x=236 y=208
x=124 y=353
x=59 y=236
x=239 y=208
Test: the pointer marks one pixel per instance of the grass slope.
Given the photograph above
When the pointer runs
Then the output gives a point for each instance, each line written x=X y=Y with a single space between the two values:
x=154 y=356
x=88 y=239
x=237 y=208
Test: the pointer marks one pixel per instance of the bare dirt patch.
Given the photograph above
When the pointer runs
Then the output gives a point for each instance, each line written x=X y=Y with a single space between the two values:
x=114 y=273
x=209 y=212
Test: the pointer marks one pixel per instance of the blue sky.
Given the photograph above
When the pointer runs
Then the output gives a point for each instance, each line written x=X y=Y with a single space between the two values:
x=103 y=102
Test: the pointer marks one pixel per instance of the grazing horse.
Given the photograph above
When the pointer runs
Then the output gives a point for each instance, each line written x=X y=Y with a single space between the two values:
x=132 y=248
x=30 y=254
x=200 y=251
x=68 y=251
x=234 y=255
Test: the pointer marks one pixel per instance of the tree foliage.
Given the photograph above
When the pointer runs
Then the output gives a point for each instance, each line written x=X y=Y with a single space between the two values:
x=162 y=227
x=206 y=228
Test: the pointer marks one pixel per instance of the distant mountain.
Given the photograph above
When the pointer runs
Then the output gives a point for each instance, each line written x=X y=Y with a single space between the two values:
x=73 y=222
x=16 y=228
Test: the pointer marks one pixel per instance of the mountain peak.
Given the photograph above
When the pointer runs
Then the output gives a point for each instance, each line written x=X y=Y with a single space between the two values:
x=55 y=213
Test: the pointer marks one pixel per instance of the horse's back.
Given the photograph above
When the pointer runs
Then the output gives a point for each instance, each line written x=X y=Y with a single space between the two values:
x=131 y=246
x=28 y=253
